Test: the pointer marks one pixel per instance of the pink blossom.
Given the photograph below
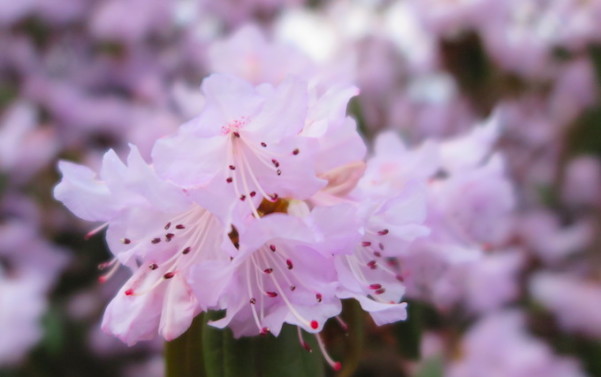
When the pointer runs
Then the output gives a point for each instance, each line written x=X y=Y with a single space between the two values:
x=155 y=229
x=282 y=272
x=248 y=54
x=499 y=346
x=247 y=142
x=574 y=301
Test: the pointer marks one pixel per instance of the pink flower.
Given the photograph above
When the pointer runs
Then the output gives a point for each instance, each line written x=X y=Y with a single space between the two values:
x=370 y=274
x=499 y=346
x=157 y=230
x=245 y=145
x=282 y=272
x=248 y=54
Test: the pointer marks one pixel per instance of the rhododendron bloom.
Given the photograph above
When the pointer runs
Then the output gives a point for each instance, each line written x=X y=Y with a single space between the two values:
x=245 y=144
x=157 y=230
x=283 y=272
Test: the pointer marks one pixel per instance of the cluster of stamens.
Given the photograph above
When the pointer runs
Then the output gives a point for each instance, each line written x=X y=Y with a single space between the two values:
x=241 y=174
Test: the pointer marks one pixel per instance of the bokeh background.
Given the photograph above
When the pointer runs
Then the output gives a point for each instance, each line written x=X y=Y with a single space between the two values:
x=80 y=76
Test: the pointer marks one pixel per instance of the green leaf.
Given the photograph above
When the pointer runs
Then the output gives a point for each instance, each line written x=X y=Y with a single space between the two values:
x=264 y=356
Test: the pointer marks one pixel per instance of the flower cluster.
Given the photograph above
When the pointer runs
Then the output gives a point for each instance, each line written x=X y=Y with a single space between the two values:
x=264 y=207
x=465 y=183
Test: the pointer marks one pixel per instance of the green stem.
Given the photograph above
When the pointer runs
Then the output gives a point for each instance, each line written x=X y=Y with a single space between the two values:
x=183 y=356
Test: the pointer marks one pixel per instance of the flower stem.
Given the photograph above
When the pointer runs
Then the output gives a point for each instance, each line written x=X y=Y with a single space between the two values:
x=183 y=356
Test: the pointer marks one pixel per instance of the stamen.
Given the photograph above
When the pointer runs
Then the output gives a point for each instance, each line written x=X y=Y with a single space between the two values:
x=372 y=264
x=301 y=340
x=186 y=250
x=263 y=144
x=155 y=240
x=271 y=294
x=272 y=248
x=336 y=365
x=94 y=231
x=110 y=273
x=289 y=264
x=295 y=152
x=129 y=292
x=153 y=266
x=268 y=270
x=229 y=179
x=342 y=324
x=314 y=325
x=169 y=236
x=232 y=167
x=383 y=232
x=319 y=297
x=126 y=241
x=365 y=243
x=167 y=226
x=169 y=275
x=180 y=226
x=375 y=286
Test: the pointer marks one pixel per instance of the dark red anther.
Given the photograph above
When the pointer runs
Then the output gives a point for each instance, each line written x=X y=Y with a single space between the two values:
x=169 y=275
x=232 y=167
x=167 y=226
x=275 y=162
x=380 y=291
x=268 y=270
x=293 y=288
x=289 y=264
x=156 y=240
x=278 y=172
x=314 y=325
x=381 y=246
x=253 y=301
x=274 y=197
x=186 y=250
x=252 y=194
x=319 y=297
x=126 y=241
x=271 y=294
x=365 y=243
x=272 y=248
x=237 y=134
x=229 y=179
x=264 y=331
x=153 y=266
x=337 y=366
x=242 y=197
x=383 y=232
x=129 y=292
x=375 y=286
x=169 y=236
x=180 y=226
x=295 y=151
x=377 y=254
x=372 y=264
x=263 y=144
x=400 y=278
